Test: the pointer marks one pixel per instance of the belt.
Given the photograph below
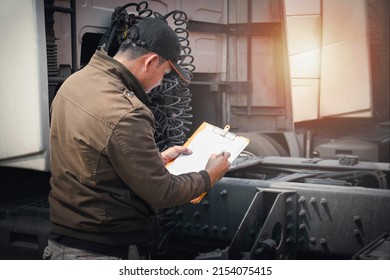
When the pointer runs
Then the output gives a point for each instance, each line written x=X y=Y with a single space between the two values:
x=109 y=250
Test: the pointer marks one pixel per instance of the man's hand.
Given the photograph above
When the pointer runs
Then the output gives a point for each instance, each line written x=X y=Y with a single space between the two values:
x=217 y=165
x=174 y=152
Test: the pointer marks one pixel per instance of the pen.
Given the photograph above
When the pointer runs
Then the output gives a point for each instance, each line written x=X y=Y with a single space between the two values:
x=224 y=153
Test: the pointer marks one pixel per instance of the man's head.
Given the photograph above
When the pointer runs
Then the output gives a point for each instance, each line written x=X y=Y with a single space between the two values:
x=155 y=36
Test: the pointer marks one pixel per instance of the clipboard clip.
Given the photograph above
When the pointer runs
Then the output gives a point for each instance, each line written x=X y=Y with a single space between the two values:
x=224 y=132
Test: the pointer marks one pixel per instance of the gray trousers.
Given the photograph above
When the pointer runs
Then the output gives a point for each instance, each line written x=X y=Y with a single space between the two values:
x=57 y=251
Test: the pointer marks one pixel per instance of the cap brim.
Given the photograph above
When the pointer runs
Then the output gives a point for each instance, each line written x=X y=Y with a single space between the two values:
x=181 y=72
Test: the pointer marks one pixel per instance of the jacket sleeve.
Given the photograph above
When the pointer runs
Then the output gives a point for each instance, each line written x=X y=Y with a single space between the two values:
x=135 y=157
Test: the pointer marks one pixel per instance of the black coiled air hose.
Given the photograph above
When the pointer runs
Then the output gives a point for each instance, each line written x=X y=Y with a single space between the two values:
x=171 y=100
x=171 y=109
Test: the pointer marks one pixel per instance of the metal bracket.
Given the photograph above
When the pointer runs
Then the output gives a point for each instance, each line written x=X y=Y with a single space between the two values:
x=226 y=86
x=259 y=110
x=257 y=28
x=268 y=229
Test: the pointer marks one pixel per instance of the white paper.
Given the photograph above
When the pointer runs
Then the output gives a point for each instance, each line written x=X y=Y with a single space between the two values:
x=206 y=142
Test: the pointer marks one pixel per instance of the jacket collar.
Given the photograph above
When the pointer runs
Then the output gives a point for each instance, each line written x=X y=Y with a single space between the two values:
x=124 y=74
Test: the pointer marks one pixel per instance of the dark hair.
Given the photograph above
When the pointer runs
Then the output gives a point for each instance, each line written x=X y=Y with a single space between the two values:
x=133 y=51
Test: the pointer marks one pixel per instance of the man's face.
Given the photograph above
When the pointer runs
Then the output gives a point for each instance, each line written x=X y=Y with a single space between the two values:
x=156 y=74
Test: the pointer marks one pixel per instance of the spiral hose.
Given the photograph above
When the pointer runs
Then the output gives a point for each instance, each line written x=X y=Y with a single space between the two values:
x=170 y=100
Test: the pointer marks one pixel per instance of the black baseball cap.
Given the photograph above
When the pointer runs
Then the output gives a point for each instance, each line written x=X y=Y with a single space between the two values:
x=156 y=35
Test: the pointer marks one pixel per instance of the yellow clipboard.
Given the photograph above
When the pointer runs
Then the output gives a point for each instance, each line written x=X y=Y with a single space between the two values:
x=206 y=140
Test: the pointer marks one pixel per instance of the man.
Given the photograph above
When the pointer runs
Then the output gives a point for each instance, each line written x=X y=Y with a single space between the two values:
x=108 y=176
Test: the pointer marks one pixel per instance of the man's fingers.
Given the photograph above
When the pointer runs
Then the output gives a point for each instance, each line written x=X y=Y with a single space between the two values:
x=225 y=154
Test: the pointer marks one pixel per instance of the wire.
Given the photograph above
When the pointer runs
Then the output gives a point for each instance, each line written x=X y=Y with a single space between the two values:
x=171 y=108
x=171 y=100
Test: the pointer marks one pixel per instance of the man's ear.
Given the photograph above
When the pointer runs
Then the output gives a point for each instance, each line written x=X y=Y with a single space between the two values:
x=150 y=59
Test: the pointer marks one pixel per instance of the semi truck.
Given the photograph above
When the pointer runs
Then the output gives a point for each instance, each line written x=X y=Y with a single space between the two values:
x=306 y=81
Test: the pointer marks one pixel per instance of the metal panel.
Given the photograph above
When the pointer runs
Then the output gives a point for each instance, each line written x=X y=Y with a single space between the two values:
x=206 y=46
x=24 y=106
x=218 y=215
x=345 y=66
x=339 y=220
x=268 y=229
x=302 y=7
x=304 y=45
x=305 y=99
